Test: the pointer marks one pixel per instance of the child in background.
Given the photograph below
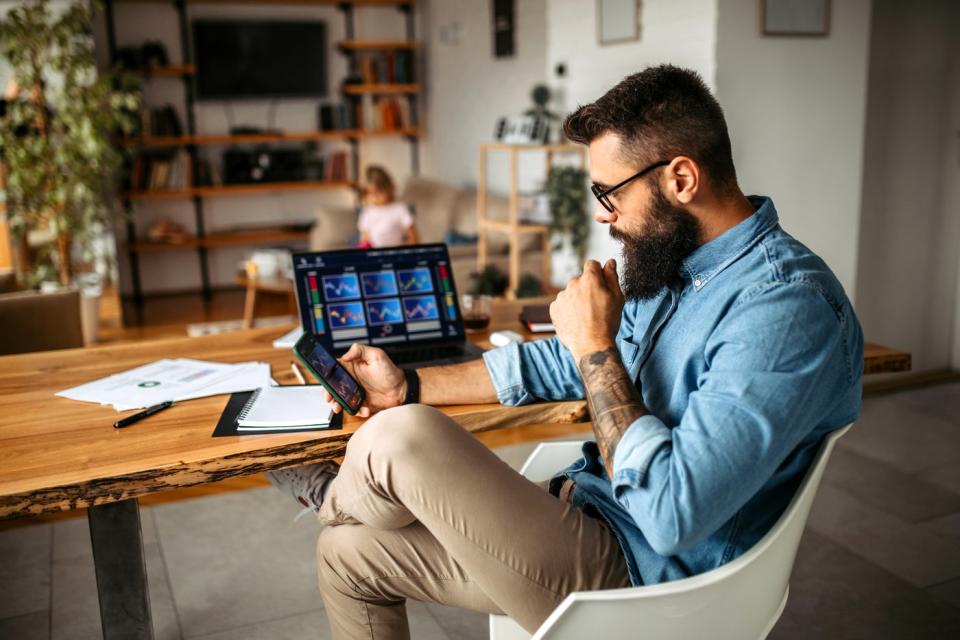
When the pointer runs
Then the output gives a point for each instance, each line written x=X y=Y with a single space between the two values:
x=383 y=222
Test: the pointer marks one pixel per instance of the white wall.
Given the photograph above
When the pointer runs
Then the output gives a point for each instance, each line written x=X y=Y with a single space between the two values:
x=906 y=284
x=137 y=22
x=468 y=89
x=795 y=109
x=681 y=32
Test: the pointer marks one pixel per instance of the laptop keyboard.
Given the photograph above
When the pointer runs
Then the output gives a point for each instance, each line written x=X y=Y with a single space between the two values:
x=425 y=354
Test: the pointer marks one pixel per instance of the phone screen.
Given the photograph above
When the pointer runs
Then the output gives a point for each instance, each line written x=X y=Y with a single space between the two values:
x=325 y=367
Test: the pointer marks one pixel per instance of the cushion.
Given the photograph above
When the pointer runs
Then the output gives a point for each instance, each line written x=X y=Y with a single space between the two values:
x=336 y=228
x=432 y=203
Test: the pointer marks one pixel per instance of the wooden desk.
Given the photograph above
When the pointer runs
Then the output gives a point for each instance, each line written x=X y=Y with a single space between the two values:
x=57 y=454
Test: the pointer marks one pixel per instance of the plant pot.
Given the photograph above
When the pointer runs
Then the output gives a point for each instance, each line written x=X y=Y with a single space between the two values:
x=564 y=262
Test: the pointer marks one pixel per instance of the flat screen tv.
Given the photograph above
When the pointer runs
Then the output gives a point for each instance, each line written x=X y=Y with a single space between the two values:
x=259 y=59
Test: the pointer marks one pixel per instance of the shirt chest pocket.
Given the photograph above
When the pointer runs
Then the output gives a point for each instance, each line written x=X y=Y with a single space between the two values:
x=630 y=354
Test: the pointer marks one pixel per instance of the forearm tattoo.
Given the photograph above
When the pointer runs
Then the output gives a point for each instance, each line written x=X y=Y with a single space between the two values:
x=614 y=401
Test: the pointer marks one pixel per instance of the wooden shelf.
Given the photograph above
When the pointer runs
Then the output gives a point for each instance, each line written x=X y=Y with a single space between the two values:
x=520 y=227
x=223 y=239
x=239 y=190
x=170 y=72
x=376 y=45
x=357 y=3
x=552 y=148
x=157 y=195
x=360 y=89
x=262 y=138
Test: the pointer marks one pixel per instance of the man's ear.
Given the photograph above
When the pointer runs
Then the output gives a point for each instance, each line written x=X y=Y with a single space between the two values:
x=683 y=179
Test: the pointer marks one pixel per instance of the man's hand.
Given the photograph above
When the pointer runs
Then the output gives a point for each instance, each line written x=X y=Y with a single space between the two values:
x=382 y=381
x=587 y=313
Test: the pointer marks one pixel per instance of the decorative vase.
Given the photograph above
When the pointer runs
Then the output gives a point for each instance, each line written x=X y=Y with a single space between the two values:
x=564 y=262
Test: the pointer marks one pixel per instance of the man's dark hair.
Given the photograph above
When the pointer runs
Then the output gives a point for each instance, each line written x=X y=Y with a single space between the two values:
x=660 y=113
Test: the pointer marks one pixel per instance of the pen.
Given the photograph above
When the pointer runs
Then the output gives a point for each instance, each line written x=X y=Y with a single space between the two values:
x=129 y=420
x=296 y=372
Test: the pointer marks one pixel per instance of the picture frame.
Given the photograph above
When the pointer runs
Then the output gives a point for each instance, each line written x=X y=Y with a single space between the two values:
x=617 y=21
x=794 y=18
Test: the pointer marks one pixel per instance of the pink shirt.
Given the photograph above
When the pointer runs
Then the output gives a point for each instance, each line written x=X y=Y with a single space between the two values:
x=385 y=225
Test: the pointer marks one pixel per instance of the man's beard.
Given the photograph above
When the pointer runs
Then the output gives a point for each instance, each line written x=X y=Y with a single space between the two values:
x=652 y=258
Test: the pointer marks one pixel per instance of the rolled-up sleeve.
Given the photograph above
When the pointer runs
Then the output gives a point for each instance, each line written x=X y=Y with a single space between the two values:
x=537 y=370
x=773 y=365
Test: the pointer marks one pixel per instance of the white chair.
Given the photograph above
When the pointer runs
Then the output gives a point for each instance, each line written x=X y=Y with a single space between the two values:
x=742 y=599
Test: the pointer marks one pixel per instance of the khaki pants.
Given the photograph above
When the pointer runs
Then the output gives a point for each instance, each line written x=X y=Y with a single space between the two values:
x=421 y=509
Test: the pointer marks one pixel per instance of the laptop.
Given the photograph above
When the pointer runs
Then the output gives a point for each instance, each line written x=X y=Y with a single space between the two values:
x=401 y=299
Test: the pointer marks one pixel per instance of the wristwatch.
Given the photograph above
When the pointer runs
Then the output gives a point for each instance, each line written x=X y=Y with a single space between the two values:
x=413 y=386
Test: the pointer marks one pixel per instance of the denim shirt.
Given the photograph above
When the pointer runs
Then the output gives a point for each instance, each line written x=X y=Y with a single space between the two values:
x=744 y=363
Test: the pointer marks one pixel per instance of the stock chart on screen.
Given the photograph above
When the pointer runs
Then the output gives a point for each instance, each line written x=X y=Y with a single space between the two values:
x=415 y=280
x=341 y=287
x=384 y=311
x=420 y=308
x=379 y=283
x=345 y=315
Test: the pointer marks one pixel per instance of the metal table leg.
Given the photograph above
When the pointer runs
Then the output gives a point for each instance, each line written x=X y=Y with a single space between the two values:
x=121 y=570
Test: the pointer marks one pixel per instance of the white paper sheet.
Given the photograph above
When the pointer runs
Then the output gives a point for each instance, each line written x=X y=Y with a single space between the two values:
x=168 y=379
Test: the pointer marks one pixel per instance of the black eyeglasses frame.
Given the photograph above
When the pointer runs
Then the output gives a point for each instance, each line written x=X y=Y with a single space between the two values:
x=603 y=194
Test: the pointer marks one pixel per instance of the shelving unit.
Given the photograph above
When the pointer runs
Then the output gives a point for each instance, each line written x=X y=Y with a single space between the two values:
x=376 y=45
x=263 y=138
x=512 y=226
x=361 y=89
x=171 y=72
x=238 y=190
x=225 y=239
x=202 y=240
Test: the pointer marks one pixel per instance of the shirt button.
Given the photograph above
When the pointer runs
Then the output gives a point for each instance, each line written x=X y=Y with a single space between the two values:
x=697 y=282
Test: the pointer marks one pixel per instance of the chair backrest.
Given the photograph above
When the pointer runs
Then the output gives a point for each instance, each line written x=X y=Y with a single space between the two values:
x=31 y=321
x=742 y=599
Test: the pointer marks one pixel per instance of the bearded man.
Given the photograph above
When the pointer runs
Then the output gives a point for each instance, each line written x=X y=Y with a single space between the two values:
x=712 y=373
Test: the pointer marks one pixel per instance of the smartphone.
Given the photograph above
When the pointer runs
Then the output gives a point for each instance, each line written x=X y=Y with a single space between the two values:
x=330 y=373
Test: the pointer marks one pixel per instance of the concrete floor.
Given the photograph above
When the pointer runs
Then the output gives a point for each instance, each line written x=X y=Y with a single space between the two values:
x=880 y=558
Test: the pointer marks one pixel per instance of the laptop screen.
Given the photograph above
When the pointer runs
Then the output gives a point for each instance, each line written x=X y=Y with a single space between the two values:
x=383 y=297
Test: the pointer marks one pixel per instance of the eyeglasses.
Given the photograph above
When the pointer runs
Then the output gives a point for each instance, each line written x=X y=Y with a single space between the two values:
x=603 y=195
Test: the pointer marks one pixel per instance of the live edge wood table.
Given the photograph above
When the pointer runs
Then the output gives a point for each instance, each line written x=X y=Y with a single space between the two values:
x=58 y=454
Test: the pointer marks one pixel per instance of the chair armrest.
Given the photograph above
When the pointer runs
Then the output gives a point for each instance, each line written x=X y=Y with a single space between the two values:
x=549 y=458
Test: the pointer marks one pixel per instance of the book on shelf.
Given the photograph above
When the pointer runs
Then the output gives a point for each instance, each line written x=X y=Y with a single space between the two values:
x=336 y=117
x=383 y=113
x=386 y=67
x=164 y=121
x=162 y=171
x=335 y=167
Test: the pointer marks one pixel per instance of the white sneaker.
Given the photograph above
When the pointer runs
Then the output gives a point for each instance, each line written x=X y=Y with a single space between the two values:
x=306 y=483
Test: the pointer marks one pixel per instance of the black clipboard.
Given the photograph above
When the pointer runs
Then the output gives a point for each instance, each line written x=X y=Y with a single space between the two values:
x=227 y=426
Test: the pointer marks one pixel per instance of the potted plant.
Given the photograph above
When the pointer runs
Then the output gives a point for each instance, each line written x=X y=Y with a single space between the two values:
x=55 y=135
x=566 y=189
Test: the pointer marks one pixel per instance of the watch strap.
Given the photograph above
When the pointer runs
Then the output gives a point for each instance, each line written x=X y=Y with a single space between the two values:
x=413 y=386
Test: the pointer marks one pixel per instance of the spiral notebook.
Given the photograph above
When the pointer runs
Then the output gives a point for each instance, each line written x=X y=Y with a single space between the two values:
x=284 y=408
x=227 y=425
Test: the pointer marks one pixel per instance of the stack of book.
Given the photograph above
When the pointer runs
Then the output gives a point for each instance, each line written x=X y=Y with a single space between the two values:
x=387 y=67
x=336 y=117
x=382 y=113
x=161 y=121
x=335 y=167
x=161 y=172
